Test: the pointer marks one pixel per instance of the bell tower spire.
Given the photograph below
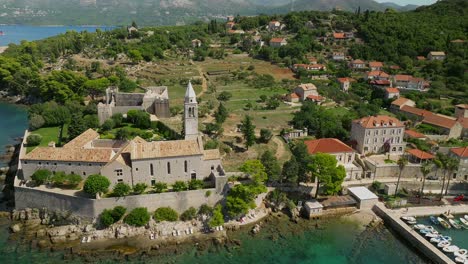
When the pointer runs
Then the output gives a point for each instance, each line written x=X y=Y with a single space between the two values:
x=190 y=113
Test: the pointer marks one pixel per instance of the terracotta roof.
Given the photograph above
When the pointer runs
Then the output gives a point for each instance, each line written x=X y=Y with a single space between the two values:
x=294 y=95
x=403 y=77
x=277 y=40
x=375 y=64
x=378 y=73
x=463 y=121
x=81 y=140
x=420 y=154
x=317 y=66
x=315 y=97
x=343 y=80
x=358 y=61
x=70 y=154
x=414 y=134
x=326 y=145
x=158 y=149
x=211 y=154
x=378 y=121
x=393 y=90
x=440 y=120
x=415 y=111
x=307 y=86
x=400 y=101
x=395 y=67
x=460 y=152
x=420 y=58
x=381 y=82
x=463 y=106
x=339 y=35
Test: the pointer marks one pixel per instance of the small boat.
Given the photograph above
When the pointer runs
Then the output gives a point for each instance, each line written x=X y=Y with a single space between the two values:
x=461 y=253
x=411 y=222
x=466 y=217
x=88 y=240
x=461 y=260
x=447 y=238
x=447 y=216
x=440 y=238
x=450 y=249
x=464 y=222
x=432 y=234
x=419 y=226
x=443 y=223
x=408 y=218
x=443 y=244
x=434 y=220
x=454 y=224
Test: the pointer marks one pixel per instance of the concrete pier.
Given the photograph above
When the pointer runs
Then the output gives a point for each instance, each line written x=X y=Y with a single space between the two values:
x=392 y=218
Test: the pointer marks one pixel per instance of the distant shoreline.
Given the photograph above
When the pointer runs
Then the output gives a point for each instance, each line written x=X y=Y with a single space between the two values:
x=32 y=25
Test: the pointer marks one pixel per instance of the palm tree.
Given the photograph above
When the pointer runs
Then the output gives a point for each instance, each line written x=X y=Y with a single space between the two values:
x=426 y=168
x=402 y=162
x=443 y=161
x=438 y=165
x=452 y=165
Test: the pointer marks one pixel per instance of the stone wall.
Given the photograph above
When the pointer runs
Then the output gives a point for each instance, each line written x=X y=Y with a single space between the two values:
x=89 y=208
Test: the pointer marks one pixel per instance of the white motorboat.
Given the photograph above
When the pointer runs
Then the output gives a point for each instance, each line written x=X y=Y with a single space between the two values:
x=454 y=224
x=464 y=222
x=432 y=234
x=466 y=217
x=443 y=223
x=408 y=218
x=443 y=244
x=461 y=253
x=419 y=226
x=411 y=222
x=461 y=260
x=450 y=249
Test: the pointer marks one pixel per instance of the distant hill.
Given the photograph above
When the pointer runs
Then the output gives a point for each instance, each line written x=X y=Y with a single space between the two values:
x=399 y=7
x=348 y=5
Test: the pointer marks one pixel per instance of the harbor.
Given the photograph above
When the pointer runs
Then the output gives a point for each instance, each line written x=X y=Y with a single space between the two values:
x=394 y=218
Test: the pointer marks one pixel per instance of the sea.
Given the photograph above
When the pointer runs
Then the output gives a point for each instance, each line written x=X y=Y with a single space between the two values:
x=337 y=241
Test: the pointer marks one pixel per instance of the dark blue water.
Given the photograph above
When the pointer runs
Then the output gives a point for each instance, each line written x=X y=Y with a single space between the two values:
x=13 y=122
x=16 y=33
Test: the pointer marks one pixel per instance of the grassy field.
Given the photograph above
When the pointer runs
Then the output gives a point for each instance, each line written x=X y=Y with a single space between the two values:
x=49 y=134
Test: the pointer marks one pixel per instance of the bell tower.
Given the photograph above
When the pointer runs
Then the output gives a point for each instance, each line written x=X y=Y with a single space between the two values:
x=190 y=113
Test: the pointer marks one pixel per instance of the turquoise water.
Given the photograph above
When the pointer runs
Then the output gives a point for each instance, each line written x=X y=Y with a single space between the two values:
x=279 y=242
x=459 y=236
x=13 y=122
x=16 y=33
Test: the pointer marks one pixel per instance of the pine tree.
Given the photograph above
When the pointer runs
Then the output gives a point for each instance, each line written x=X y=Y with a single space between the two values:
x=77 y=127
x=248 y=130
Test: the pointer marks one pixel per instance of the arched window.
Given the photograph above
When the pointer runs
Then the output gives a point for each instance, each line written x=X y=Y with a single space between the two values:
x=185 y=166
x=168 y=168
x=151 y=170
x=189 y=112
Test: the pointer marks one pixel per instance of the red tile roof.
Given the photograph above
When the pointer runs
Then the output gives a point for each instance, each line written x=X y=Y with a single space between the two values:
x=463 y=121
x=378 y=73
x=415 y=111
x=462 y=106
x=315 y=97
x=402 y=77
x=420 y=154
x=400 y=101
x=380 y=82
x=414 y=134
x=375 y=64
x=421 y=58
x=294 y=95
x=339 y=35
x=326 y=145
x=277 y=40
x=460 y=152
x=378 y=121
x=393 y=90
x=439 y=120
x=358 y=61
x=343 y=80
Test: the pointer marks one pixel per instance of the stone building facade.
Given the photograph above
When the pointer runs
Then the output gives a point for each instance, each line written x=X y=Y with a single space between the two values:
x=378 y=134
x=155 y=101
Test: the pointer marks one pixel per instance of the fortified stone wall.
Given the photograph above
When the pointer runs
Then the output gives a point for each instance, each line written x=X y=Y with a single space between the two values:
x=129 y=99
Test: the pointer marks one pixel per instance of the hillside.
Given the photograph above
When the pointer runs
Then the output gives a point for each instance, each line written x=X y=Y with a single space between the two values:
x=156 y=12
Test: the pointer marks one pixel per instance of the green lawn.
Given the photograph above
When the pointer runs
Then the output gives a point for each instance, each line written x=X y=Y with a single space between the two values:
x=48 y=134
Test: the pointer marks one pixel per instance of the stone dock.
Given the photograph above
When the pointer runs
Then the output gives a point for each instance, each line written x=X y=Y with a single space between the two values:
x=392 y=218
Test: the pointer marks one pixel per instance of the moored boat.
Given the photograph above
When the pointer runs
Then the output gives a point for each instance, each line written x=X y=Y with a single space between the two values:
x=419 y=226
x=434 y=220
x=461 y=260
x=408 y=218
x=464 y=222
x=443 y=222
x=454 y=224
x=443 y=244
x=450 y=249
x=461 y=253
x=411 y=222
x=432 y=234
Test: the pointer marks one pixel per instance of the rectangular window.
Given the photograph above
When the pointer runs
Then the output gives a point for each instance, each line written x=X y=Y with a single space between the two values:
x=385 y=132
x=120 y=180
x=153 y=182
x=84 y=173
x=168 y=168
x=151 y=170
x=119 y=172
x=185 y=166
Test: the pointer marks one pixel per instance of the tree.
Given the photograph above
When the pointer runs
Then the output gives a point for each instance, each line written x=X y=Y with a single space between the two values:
x=36 y=122
x=324 y=169
x=96 y=87
x=272 y=103
x=106 y=218
x=96 y=183
x=205 y=210
x=290 y=171
x=33 y=140
x=189 y=214
x=179 y=186
x=217 y=219
x=224 y=96
x=140 y=188
x=248 y=130
x=221 y=114
x=195 y=184
x=138 y=217
x=160 y=187
x=166 y=214
x=123 y=133
x=121 y=189
x=140 y=119
x=256 y=171
x=426 y=168
x=443 y=159
x=302 y=157
x=265 y=135
x=41 y=176
x=77 y=127
x=272 y=167
x=452 y=165
x=402 y=162
x=135 y=56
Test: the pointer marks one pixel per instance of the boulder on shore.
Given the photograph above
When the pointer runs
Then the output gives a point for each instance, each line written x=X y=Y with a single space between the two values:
x=15 y=228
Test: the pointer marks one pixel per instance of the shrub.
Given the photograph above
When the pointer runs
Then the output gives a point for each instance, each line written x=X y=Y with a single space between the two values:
x=41 y=176
x=251 y=68
x=62 y=179
x=36 y=122
x=121 y=189
x=376 y=185
x=118 y=212
x=108 y=125
x=189 y=214
x=106 y=218
x=160 y=187
x=165 y=214
x=138 y=217
x=118 y=119
x=224 y=96
x=179 y=186
x=123 y=133
x=208 y=193
x=96 y=184
x=33 y=140
x=205 y=210
x=217 y=219
x=140 y=188
x=195 y=184
x=265 y=135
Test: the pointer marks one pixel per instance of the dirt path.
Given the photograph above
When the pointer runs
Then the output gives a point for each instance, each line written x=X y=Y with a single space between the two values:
x=204 y=81
x=280 y=149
